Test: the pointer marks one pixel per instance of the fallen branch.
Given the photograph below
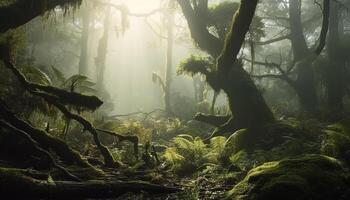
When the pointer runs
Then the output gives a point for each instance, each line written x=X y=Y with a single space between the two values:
x=11 y=183
x=50 y=99
x=215 y=120
x=133 y=139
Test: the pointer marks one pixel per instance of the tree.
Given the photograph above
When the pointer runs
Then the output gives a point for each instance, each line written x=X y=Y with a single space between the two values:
x=303 y=57
x=247 y=106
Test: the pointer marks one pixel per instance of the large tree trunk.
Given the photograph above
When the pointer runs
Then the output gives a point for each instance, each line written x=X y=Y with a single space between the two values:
x=248 y=107
x=336 y=69
x=305 y=83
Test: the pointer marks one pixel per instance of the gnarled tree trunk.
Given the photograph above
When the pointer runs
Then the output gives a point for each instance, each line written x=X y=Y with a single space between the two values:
x=248 y=107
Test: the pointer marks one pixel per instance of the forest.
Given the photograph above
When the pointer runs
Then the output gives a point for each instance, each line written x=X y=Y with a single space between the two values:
x=175 y=99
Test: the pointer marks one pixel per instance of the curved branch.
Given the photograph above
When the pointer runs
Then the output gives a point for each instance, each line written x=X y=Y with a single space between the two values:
x=22 y=11
x=108 y=158
x=325 y=24
x=131 y=138
x=199 y=32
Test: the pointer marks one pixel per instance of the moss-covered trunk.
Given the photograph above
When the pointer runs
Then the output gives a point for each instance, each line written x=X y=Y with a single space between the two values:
x=249 y=109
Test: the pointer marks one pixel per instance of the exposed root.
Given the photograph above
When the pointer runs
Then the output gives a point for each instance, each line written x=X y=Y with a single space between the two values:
x=46 y=141
x=38 y=148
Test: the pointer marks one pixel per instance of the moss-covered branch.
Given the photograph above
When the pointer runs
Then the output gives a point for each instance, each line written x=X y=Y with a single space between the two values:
x=131 y=138
x=12 y=181
x=22 y=11
x=53 y=100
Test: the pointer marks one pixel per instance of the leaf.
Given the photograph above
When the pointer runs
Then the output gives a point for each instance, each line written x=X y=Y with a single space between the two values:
x=35 y=75
x=58 y=75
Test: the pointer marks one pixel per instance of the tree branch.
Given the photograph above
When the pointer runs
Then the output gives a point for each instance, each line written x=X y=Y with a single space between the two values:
x=22 y=11
x=325 y=24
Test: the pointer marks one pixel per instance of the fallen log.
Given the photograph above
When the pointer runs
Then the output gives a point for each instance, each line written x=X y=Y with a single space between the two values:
x=11 y=182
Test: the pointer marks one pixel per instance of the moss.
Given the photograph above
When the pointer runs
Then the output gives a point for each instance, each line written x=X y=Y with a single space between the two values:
x=336 y=145
x=306 y=177
x=236 y=142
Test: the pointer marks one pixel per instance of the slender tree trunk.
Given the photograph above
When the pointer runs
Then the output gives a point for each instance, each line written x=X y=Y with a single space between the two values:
x=305 y=83
x=169 y=56
x=100 y=60
x=83 y=62
x=335 y=73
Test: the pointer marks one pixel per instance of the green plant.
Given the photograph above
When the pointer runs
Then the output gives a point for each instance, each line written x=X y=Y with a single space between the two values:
x=188 y=154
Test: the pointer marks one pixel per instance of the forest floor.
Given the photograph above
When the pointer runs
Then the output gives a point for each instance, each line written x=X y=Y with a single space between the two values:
x=189 y=169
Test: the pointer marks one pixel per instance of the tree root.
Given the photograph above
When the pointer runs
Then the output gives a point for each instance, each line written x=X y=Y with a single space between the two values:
x=229 y=126
x=38 y=148
x=46 y=141
x=30 y=188
x=215 y=120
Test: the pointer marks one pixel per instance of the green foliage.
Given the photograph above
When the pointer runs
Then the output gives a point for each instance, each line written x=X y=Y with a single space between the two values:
x=220 y=16
x=188 y=153
x=195 y=64
x=35 y=75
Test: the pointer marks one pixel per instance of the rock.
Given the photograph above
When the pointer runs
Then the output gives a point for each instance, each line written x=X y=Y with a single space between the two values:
x=314 y=177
